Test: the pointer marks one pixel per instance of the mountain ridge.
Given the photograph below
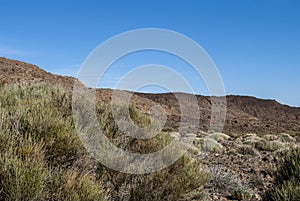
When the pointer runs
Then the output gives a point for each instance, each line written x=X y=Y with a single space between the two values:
x=244 y=113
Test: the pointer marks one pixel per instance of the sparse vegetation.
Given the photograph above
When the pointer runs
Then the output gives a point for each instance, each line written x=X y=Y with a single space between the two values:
x=211 y=145
x=274 y=145
x=241 y=194
x=220 y=137
x=183 y=177
x=285 y=137
x=42 y=158
x=224 y=181
x=254 y=141
x=287 y=181
x=247 y=150
x=37 y=137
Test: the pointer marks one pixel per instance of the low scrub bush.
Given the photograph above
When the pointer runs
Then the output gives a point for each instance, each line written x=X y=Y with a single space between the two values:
x=287 y=181
x=224 y=181
x=285 y=137
x=71 y=185
x=184 y=177
x=173 y=183
x=37 y=136
x=274 y=145
x=211 y=145
x=220 y=137
x=42 y=158
x=23 y=171
x=241 y=194
x=247 y=150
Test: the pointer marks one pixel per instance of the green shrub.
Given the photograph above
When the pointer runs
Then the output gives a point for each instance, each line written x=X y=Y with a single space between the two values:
x=182 y=178
x=40 y=150
x=70 y=185
x=287 y=181
x=23 y=171
x=290 y=169
x=241 y=194
x=274 y=145
x=37 y=136
x=43 y=111
x=173 y=183
x=285 y=137
x=287 y=191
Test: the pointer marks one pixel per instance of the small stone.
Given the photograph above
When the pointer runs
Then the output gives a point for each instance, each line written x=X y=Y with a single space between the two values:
x=215 y=197
x=256 y=197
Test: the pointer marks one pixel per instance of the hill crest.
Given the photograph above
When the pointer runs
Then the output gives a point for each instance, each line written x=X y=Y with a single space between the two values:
x=244 y=113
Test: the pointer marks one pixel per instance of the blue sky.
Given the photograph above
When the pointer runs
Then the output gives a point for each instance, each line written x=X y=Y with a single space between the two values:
x=254 y=43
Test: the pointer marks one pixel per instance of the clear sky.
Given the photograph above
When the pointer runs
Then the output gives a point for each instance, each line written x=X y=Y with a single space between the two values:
x=254 y=43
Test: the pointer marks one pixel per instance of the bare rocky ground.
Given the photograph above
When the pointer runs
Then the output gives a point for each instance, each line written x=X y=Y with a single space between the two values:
x=242 y=166
x=242 y=159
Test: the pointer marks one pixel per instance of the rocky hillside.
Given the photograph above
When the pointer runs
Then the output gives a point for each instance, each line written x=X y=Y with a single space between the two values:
x=242 y=160
x=13 y=71
x=244 y=114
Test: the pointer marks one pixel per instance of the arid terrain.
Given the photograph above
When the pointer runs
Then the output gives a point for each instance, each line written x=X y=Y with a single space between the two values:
x=244 y=113
x=244 y=154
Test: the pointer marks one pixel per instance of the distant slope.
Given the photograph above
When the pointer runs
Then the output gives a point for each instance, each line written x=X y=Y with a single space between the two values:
x=244 y=113
x=13 y=71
